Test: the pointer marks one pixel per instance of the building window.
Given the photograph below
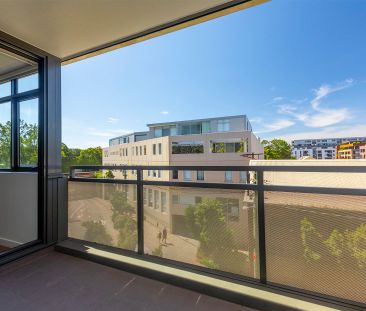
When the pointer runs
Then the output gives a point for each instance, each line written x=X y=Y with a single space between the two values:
x=193 y=128
x=133 y=151
x=159 y=173
x=163 y=202
x=126 y=152
x=200 y=175
x=187 y=175
x=228 y=176
x=154 y=173
x=158 y=132
x=244 y=177
x=187 y=147
x=223 y=125
x=150 y=198
x=159 y=148
x=140 y=150
x=206 y=127
x=156 y=199
x=137 y=150
x=154 y=149
x=175 y=174
x=175 y=198
x=145 y=196
x=145 y=150
x=229 y=147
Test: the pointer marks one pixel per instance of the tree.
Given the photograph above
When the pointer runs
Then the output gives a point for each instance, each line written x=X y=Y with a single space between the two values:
x=5 y=144
x=277 y=149
x=217 y=250
x=124 y=221
x=28 y=137
x=76 y=156
x=109 y=174
x=96 y=232
x=28 y=143
x=91 y=156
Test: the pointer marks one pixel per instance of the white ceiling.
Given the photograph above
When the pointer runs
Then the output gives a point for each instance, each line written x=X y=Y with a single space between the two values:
x=68 y=27
x=12 y=65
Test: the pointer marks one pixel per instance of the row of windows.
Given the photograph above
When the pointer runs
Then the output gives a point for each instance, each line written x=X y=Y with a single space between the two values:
x=200 y=175
x=155 y=199
x=136 y=151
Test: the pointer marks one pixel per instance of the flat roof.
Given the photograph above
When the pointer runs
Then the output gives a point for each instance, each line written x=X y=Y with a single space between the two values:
x=195 y=120
x=347 y=137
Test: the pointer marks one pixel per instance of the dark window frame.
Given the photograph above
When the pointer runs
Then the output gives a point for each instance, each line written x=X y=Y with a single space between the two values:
x=15 y=99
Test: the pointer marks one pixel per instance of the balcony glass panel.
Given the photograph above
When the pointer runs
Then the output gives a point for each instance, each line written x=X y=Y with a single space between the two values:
x=217 y=232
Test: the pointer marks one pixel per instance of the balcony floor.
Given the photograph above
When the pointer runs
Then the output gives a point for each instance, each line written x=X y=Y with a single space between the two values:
x=48 y=280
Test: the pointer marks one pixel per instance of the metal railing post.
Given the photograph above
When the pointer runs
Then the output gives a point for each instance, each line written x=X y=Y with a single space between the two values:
x=261 y=229
x=140 y=212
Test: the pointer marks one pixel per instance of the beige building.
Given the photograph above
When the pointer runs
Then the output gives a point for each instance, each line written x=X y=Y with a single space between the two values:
x=225 y=141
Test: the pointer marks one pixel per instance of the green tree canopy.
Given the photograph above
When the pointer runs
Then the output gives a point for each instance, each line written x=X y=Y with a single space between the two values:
x=277 y=149
x=76 y=156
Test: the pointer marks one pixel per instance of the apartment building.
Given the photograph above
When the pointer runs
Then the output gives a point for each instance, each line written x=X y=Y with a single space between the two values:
x=214 y=141
x=320 y=149
x=205 y=142
x=352 y=150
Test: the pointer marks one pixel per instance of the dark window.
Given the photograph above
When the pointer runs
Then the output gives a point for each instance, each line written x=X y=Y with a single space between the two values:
x=175 y=174
x=154 y=149
x=19 y=125
x=187 y=148
x=159 y=148
x=200 y=175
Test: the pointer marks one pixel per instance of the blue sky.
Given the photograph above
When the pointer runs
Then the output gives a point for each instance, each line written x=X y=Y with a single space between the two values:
x=296 y=67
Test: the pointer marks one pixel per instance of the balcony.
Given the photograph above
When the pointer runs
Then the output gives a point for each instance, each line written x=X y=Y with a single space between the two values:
x=302 y=239
x=283 y=238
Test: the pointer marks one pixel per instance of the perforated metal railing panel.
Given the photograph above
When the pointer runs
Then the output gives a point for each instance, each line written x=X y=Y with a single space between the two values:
x=317 y=242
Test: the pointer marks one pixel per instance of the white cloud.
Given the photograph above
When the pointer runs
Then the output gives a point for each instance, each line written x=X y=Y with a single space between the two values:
x=112 y=120
x=278 y=98
x=276 y=126
x=357 y=130
x=318 y=116
x=165 y=112
x=326 y=89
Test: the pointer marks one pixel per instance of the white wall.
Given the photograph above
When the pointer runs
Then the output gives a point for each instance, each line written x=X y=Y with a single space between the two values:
x=18 y=208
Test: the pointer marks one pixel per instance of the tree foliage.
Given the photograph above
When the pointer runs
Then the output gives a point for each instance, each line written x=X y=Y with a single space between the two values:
x=28 y=144
x=124 y=220
x=76 y=156
x=96 y=232
x=344 y=248
x=277 y=149
x=207 y=223
x=5 y=144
